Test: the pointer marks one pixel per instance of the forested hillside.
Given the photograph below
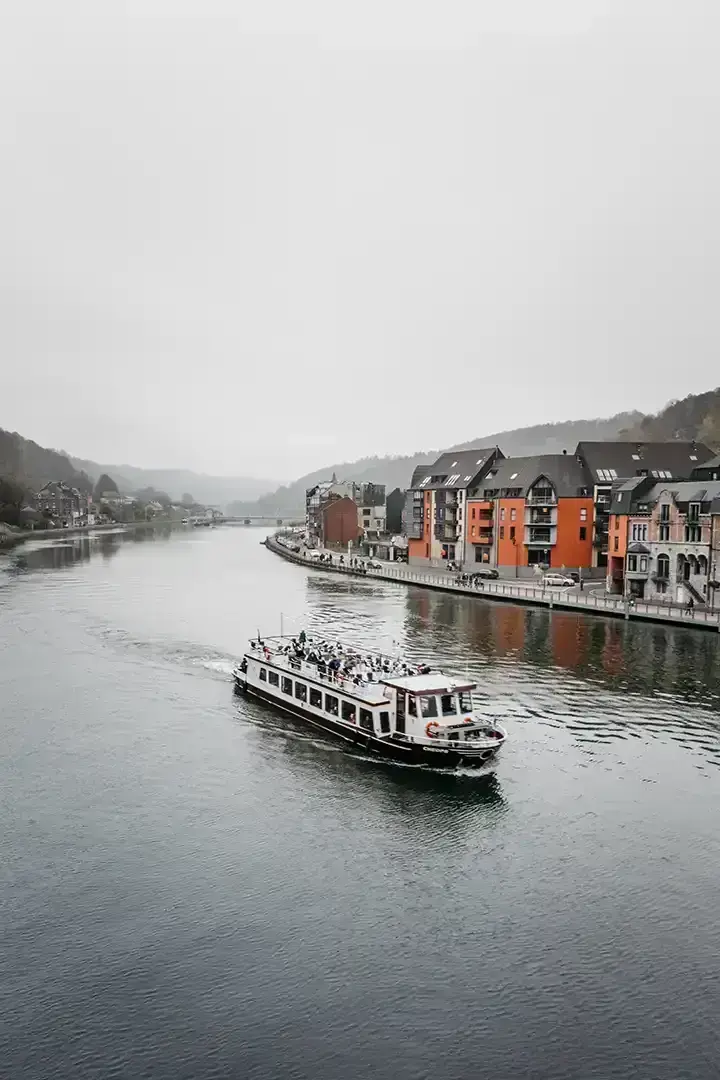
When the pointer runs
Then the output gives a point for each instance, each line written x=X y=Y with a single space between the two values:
x=30 y=465
x=396 y=471
x=694 y=417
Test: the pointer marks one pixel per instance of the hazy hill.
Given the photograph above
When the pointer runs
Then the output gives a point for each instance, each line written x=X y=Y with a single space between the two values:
x=208 y=490
x=396 y=471
x=695 y=417
x=32 y=466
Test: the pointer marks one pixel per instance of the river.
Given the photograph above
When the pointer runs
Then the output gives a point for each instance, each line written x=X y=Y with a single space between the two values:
x=193 y=887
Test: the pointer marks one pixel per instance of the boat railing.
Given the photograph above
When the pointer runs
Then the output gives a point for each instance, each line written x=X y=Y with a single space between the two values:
x=298 y=666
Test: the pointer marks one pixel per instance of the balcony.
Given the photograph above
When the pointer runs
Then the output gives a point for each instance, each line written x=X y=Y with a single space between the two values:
x=542 y=516
x=539 y=536
x=542 y=498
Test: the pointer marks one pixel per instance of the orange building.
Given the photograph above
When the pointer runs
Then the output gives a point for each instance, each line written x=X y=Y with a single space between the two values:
x=436 y=505
x=534 y=512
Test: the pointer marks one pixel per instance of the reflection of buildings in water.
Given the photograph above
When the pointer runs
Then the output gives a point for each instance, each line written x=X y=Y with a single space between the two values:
x=509 y=629
x=569 y=639
x=54 y=556
x=613 y=652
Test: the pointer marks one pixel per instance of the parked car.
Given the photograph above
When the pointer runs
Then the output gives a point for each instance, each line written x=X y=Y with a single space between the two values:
x=486 y=572
x=558 y=580
x=373 y=565
x=314 y=555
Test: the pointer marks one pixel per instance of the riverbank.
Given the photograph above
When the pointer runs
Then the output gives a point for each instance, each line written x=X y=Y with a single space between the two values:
x=11 y=540
x=593 y=603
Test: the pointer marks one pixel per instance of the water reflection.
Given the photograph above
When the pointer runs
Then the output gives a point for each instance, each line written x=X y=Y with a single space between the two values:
x=68 y=551
x=599 y=677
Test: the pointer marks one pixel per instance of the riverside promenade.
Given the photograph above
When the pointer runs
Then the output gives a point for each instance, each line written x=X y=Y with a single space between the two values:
x=590 y=602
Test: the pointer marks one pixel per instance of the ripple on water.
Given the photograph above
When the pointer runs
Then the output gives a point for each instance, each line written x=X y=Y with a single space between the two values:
x=197 y=887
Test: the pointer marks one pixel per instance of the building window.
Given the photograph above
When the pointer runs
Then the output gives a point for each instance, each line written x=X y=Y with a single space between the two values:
x=301 y=691
x=663 y=566
x=512 y=532
x=502 y=532
x=263 y=674
x=643 y=564
x=616 y=545
x=286 y=686
x=692 y=534
x=315 y=698
x=502 y=513
x=331 y=705
x=472 y=531
x=632 y=563
x=583 y=532
x=513 y=514
x=664 y=533
x=583 y=513
x=665 y=512
x=473 y=513
x=273 y=678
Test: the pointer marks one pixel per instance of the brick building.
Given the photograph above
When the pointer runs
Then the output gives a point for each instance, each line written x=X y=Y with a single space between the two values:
x=665 y=540
x=340 y=522
x=531 y=513
x=435 y=511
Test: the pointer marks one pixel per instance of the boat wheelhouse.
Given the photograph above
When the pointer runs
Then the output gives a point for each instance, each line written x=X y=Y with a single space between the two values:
x=392 y=709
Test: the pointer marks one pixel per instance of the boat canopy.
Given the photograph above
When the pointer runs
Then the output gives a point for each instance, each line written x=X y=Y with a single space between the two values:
x=434 y=683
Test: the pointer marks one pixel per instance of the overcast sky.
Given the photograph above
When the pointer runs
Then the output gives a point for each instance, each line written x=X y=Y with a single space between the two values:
x=257 y=237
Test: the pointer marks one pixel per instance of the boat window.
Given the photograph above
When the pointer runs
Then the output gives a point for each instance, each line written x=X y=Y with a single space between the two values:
x=273 y=678
x=301 y=691
x=429 y=707
x=453 y=735
x=263 y=674
x=315 y=698
x=348 y=711
x=331 y=704
x=448 y=704
x=286 y=686
x=400 y=712
x=366 y=720
x=385 y=722
x=465 y=701
x=412 y=705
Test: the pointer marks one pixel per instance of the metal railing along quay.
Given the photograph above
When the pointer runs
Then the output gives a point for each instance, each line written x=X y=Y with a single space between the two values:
x=518 y=592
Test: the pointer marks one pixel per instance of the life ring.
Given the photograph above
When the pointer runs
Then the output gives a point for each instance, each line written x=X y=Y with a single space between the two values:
x=432 y=730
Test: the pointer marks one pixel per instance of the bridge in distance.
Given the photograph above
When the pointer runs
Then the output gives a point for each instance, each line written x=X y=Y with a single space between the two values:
x=253 y=520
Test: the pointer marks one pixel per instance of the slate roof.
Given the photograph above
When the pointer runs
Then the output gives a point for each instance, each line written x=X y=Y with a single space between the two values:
x=626 y=459
x=419 y=472
x=625 y=492
x=713 y=465
x=565 y=473
x=462 y=465
x=682 y=491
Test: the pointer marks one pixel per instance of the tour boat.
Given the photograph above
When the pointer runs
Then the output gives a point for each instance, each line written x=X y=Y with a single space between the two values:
x=401 y=711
